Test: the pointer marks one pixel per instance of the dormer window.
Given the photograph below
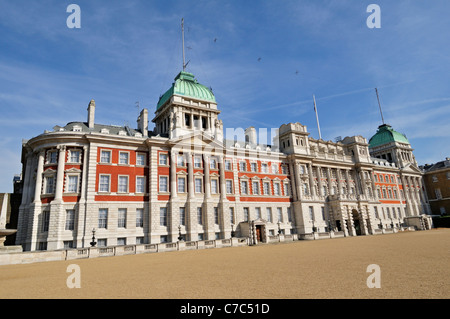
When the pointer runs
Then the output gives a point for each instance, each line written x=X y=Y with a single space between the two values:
x=76 y=128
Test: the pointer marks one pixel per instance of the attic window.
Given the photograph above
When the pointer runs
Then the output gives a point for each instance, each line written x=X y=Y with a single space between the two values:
x=76 y=128
x=104 y=131
x=122 y=133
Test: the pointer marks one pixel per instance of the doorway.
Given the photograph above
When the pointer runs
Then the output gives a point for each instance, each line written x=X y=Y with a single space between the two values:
x=259 y=235
x=356 y=222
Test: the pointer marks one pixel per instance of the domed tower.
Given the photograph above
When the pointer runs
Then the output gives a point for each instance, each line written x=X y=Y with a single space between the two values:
x=186 y=107
x=391 y=145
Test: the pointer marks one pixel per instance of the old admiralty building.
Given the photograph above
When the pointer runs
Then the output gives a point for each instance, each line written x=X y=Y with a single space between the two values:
x=188 y=180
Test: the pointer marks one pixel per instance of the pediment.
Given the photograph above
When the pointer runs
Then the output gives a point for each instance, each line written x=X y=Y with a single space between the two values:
x=200 y=141
x=411 y=168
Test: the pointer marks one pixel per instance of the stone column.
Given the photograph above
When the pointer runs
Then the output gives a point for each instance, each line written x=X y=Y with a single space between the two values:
x=297 y=183
x=207 y=179
x=330 y=183
x=319 y=181
x=312 y=188
x=223 y=186
x=173 y=174
x=347 y=178
x=190 y=164
x=338 y=176
x=40 y=170
x=60 y=173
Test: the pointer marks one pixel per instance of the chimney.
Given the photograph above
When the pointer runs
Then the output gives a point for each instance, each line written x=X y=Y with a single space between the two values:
x=250 y=135
x=91 y=114
x=142 y=122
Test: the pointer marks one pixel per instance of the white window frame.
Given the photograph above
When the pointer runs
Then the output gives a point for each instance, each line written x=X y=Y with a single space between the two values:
x=109 y=156
x=49 y=157
x=197 y=161
x=256 y=191
x=184 y=184
x=163 y=159
x=140 y=178
x=69 y=185
x=276 y=188
x=214 y=186
x=127 y=158
x=100 y=183
x=143 y=156
x=70 y=219
x=119 y=178
x=228 y=165
x=196 y=189
x=71 y=155
x=139 y=217
x=46 y=184
x=244 y=188
x=166 y=185
x=102 y=219
x=229 y=186
x=122 y=218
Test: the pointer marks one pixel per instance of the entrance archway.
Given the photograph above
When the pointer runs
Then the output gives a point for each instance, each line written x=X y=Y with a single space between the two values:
x=356 y=222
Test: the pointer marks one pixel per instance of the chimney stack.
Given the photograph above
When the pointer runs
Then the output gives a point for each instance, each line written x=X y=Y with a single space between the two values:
x=250 y=135
x=91 y=114
x=142 y=122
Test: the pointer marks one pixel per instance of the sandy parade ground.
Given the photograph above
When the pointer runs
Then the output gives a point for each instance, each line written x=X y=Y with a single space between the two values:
x=412 y=265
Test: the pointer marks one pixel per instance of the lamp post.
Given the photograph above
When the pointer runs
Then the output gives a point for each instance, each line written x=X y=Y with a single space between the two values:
x=93 y=243
x=232 y=231
x=179 y=233
x=279 y=229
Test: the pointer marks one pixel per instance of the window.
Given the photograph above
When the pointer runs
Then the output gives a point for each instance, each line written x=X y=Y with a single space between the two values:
x=42 y=245
x=378 y=193
x=70 y=219
x=437 y=191
x=123 y=184
x=392 y=179
x=105 y=156
x=311 y=212
x=228 y=165
x=180 y=160
x=255 y=188
x=181 y=185
x=386 y=179
x=229 y=186
x=231 y=215
x=140 y=159
x=198 y=185
x=266 y=188
x=276 y=189
x=264 y=168
x=214 y=189
x=140 y=184
x=197 y=162
x=200 y=236
x=140 y=217
x=122 y=218
x=102 y=217
x=182 y=216
x=269 y=214
x=49 y=184
x=284 y=169
x=216 y=215
x=435 y=179
x=104 y=183
x=213 y=163
x=244 y=187
x=258 y=212
x=72 y=186
x=52 y=157
x=274 y=168
x=74 y=156
x=286 y=189
x=376 y=213
x=305 y=189
x=442 y=210
x=289 y=214
x=163 y=184
x=123 y=158
x=323 y=212
x=163 y=239
x=242 y=166
x=121 y=241
x=163 y=216
x=163 y=159
x=280 y=214
x=448 y=175
x=68 y=244
x=324 y=190
x=101 y=242
x=139 y=240
x=254 y=167
x=199 y=216
x=375 y=177
x=246 y=214
x=45 y=220
x=384 y=193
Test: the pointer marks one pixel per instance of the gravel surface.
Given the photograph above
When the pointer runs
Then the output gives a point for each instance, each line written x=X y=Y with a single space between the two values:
x=412 y=265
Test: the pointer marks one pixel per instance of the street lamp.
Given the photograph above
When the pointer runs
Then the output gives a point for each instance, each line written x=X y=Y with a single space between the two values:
x=232 y=231
x=279 y=228
x=93 y=243
x=179 y=233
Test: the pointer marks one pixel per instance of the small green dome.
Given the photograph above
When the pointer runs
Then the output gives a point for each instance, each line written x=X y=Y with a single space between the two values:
x=185 y=84
x=386 y=134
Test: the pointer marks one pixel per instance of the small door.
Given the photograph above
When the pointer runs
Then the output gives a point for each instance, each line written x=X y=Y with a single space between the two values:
x=258 y=234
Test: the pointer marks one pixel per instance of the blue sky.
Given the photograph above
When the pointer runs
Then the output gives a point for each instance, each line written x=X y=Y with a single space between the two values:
x=268 y=59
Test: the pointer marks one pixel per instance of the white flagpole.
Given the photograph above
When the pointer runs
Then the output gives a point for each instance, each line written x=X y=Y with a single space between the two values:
x=317 y=117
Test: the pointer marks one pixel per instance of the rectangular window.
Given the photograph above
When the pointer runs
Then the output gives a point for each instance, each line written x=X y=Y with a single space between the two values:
x=181 y=185
x=163 y=159
x=284 y=169
x=163 y=239
x=180 y=160
x=264 y=168
x=163 y=216
x=286 y=189
x=200 y=236
x=122 y=218
x=163 y=184
x=68 y=244
x=231 y=215
x=376 y=212
x=105 y=156
x=323 y=212
x=276 y=189
x=50 y=185
x=229 y=186
x=140 y=217
x=266 y=188
x=212 y=163
x=123 y=184
x=269 y=214
x=42 y=245
x=70 y=219
x=289 y=214
x=104 y=183
x=123 y=158
x=121 y=241
x=311 y=212
x=72 y=186
x=182 y=216
x=198 y=185
x=258 y=212
x=216 y=215
x=197 y=162
x=254 y=167
x=140 y=185
x=437 y=191
x=228 y=165
x=139 y=240
x=244 y=187
x=246 y=214
x=242 y=166
x=199 y=216
x=101 y=242
x=255 y=188
x=214 y=189
x=102 y=218
x=140 y=159
x=74 y=156
x=53 y=157
x=45 y=220
x=280 y=214
x=274 y=169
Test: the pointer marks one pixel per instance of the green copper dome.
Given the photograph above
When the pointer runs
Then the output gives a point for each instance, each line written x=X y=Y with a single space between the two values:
x=186 y=85
x=386 y=134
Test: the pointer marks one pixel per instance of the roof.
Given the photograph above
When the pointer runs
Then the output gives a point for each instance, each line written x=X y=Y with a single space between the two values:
x=100 y=128
x=385 y=135
x=437 y=166
x=186 y=85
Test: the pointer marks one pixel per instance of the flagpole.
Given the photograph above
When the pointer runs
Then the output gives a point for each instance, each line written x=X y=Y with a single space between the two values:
x=182 y=35
x=379 y=105
x=317 y=117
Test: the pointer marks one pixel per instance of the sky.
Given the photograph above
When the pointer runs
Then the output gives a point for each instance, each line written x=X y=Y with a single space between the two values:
x=263 y=59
